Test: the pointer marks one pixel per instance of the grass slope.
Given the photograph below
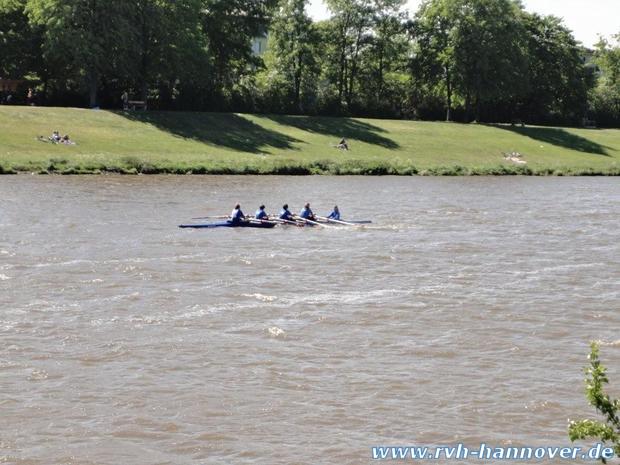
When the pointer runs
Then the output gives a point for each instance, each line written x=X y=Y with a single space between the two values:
x=167 y=142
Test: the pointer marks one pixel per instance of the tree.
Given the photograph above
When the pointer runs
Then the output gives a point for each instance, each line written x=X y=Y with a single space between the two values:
x=229 y=27
x=476 y=48
x=20 y=43
x=490 y=53
x=90 y=38
x=608 y=431
x=434 y=33
x=557 y=79
x=384 y=60
x=293 y=39
x=350 y=27
x=168 y=41
x=606 y=96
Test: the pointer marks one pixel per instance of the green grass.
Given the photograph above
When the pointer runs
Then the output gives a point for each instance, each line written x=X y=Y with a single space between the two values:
x=201 y=143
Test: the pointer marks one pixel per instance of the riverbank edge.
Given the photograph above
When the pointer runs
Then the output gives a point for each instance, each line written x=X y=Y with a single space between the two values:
x=138 y=167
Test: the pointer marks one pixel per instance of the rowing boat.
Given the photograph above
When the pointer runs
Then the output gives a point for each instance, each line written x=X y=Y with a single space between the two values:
x=256 y=224
x=229 y=224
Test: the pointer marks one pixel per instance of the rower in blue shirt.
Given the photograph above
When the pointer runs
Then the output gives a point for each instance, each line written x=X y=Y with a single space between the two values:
x=261 y=214
x=335 y=215
x=237 y=215
x=285 y=214
x=306 y=213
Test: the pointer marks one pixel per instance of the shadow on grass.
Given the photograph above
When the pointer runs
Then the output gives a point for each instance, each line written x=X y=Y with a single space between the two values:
x=221 y=129
x=338 y=128
x=558 y=137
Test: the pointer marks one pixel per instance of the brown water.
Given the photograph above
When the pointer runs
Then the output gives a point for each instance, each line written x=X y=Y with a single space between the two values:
x=463 y=314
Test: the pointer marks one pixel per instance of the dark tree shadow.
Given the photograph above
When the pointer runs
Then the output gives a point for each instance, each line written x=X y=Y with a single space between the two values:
x=559 y=137
x=222 y=129
x=338 y=128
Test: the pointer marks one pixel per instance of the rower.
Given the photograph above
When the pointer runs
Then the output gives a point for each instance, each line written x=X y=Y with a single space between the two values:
x=285 y=214
x=306 y=213
x=335 y=215
x=237 y=215
x=261 y=214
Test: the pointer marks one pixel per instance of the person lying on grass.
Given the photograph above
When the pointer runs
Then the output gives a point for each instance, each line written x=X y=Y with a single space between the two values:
x=56 y=139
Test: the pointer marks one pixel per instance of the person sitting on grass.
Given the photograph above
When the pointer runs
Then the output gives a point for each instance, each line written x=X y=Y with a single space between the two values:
x=342 y=145
x=67 y=140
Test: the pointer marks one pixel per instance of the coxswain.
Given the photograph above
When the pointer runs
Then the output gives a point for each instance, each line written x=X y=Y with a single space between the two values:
x=285 y=214
x=306 y=213
x=335 y=215
x=261 y=214
x=237 y=215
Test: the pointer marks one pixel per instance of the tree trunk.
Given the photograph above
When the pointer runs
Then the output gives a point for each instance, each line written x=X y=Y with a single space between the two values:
x=144 y=92
x=380 y=77
x=297 y=83
x=342 y=78
x=92 y=88
x=93 y=75
x=45 y=87
x=448 y=95
x=145 y=56
x=468 y=106
x=343 y=64
x=353 y=73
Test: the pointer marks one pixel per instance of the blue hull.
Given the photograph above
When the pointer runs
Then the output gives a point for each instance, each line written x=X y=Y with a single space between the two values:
x=227 y=224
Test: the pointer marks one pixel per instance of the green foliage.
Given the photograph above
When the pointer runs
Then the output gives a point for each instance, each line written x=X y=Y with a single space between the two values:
x=557 y=78
x=475 y=48
x=162 y=51
x=384 y=62
x=484 y=60
x=229 y=26
x=20 y=41
x=87 y=39
x=365 y=57
x=434 y=61
x=533 y=71
x=293 y=69
x=347 y=36
x=606 y=97
x=607 y=431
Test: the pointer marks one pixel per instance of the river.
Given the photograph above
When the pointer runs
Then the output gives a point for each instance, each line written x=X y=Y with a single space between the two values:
x=462 y=314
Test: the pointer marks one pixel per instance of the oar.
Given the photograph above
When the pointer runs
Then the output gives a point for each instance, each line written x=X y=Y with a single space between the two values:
x=312 y=222
x=256 y=220
x=282 y=221
x=217 y=217
x=335 y=221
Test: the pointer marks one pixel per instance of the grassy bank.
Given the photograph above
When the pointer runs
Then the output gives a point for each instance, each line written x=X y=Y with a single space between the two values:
x=201 y=143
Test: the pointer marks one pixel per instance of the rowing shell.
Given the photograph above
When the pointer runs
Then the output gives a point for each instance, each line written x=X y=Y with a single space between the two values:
x=228 y=224
x=266 y=225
